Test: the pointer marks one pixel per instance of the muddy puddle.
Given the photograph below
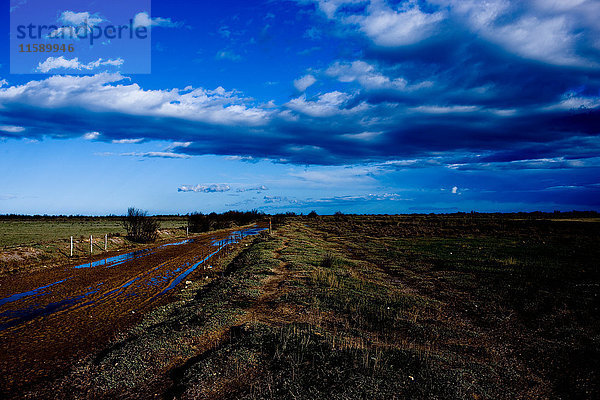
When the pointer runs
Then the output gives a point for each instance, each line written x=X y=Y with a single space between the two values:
x=51 y=317
x=169 y=278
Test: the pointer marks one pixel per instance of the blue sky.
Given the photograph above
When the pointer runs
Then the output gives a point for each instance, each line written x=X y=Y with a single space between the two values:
x=358 y=106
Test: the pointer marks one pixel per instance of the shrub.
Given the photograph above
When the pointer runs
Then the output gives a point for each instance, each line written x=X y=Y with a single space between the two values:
x=328 y=261
x=140 y=227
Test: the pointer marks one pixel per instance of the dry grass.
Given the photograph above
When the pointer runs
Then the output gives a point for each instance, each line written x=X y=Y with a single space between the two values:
x=456 y=307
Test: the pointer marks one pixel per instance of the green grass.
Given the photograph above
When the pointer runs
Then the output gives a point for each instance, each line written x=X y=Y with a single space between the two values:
x=24 y=232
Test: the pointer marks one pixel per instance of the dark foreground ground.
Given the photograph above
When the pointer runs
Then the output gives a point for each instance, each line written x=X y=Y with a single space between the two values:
x=447 y=307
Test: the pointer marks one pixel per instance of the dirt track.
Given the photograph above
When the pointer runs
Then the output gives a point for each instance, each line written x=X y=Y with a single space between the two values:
x=50 y=318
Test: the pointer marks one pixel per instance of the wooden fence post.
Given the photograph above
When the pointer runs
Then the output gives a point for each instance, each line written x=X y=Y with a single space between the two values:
x=71 y=246
x=91 y=245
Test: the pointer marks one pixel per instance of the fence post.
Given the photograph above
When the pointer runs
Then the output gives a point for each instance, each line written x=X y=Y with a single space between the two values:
x=269 y=226
x=105 y=241
x=91 y=245
x=71 y=246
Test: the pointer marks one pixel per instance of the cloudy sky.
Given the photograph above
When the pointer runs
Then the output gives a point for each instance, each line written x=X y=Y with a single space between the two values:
x=360 y=106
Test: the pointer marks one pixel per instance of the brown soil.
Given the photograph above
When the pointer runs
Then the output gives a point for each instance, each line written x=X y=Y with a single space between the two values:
x=38 y=349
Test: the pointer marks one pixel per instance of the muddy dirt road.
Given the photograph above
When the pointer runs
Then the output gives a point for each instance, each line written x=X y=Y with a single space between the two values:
x=50 y=318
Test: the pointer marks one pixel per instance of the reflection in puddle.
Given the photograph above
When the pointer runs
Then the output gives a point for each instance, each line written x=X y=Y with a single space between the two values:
x=17 y=317
x=120 y=288
x=233 y=238
x=177 y=243
x=122 y=258
x=19 y=296
x=116 y=260
x=187 y=272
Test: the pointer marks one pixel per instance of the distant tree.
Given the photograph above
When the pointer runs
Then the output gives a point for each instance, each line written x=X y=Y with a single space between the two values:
x=139 y=226
x=313 y=214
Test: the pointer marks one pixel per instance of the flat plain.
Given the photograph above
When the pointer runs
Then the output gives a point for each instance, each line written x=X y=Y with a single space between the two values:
x=464 y=306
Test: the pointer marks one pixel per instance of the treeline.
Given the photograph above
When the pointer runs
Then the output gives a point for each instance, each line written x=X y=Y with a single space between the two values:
x=199 y=222
x=59 y=217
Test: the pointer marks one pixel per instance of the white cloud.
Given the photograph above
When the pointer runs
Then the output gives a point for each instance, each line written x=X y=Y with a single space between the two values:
x=91 y=135
x=390 y=28
x=558 y=5
x=60 y=62
x=258 y=188
x=329 y=7
x=301 y=84
x=12 y=128
x=433 y=109
x=361 y=198
x=548 y=40
x=363 y=136
x=69 y=32
x=81 y=18
x=212 y=188
x=248 y=159
x=385 y=26
x=16 y=4
x=533 y=164
x=327 y=105
x=128 y=141
x=278 y=199
x=548 y=31
x=156 y=154
x=142 y=19
x=75 y=24
x=575 y=101
x=336 y=175
x=105 y=92
x=368 y=76
x=178 y=144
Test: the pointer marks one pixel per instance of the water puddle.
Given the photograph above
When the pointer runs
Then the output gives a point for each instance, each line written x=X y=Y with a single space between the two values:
x=187 y=272
x=34 y=292
x=18 y=317
x=122 y=258
x=116 y=260
x=177 y=243
x=233 y=238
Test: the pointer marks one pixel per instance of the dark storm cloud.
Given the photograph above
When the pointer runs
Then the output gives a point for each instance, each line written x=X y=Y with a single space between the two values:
x=436 y=78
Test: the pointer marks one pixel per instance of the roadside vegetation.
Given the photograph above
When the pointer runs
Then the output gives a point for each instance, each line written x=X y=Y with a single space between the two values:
x=199 y=222
x=140 y=227
x=464 y=306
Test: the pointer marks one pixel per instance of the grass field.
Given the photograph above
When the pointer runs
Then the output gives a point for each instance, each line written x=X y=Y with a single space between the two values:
x=39 y=242
x=375 y=307
x=31 y=231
